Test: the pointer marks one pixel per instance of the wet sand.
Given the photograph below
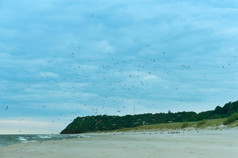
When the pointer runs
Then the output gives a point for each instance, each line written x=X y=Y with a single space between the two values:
x=144 y=144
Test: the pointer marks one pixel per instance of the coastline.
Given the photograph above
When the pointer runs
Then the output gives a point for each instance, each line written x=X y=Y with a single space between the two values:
x=139 y=144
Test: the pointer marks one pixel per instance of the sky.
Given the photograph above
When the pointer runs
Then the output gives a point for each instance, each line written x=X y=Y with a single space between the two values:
x=60 y=59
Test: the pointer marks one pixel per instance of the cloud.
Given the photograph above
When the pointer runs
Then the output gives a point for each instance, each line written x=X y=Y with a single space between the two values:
x=28 y=127
x=67 y=56
x=48 y=74
x=104 y=47
x=20 y=123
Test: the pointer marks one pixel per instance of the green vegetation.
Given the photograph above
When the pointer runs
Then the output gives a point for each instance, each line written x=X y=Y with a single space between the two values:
x=184 y=125
x=211 y=123
x=200 y=123
x=231 y=119
x=105 y=122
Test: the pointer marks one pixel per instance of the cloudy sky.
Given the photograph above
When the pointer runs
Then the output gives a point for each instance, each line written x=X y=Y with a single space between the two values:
x=60 y=59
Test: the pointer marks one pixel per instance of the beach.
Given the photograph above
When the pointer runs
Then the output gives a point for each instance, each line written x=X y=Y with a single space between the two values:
x=133 y=144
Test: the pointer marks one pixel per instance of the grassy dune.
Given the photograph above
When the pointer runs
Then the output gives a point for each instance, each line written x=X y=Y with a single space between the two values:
x=205 y=124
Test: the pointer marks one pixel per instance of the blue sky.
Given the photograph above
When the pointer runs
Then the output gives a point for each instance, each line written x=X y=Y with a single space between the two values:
x=63 y=58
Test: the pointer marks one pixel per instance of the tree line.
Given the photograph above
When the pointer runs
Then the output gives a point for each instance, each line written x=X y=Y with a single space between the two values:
x=107 y=122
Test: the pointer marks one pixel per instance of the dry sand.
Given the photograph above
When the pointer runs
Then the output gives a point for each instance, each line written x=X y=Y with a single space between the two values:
x=149 y=144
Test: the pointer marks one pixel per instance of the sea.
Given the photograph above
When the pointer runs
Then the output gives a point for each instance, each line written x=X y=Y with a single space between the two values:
x=6 y=140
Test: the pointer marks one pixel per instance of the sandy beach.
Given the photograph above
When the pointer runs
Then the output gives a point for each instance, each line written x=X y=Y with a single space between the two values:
x=143 y=144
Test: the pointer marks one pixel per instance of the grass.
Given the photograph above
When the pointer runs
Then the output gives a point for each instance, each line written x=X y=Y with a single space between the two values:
x=204 y=124
x=231 y=119
x=185 y=125
x=200 y=123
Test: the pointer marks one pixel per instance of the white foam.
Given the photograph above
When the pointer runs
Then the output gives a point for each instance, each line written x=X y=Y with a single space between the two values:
x=44 y=137
x=22 y=139
x=84 y=136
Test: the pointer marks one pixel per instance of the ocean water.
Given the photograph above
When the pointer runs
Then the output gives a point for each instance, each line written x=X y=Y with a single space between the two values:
x=14 y=139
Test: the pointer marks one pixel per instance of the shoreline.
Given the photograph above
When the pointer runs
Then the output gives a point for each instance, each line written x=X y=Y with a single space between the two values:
x=138 y=144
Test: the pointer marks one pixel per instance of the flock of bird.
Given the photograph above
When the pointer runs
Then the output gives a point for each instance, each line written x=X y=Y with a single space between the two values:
x=113 y=80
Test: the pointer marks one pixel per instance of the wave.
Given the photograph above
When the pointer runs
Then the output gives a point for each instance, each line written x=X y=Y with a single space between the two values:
x=22 y=139
x=14 y=139
x=44 y=136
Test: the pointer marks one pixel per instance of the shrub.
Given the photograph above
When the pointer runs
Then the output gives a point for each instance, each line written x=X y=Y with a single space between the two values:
x=184 y=125
x=200 y=123
x=231 y=119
